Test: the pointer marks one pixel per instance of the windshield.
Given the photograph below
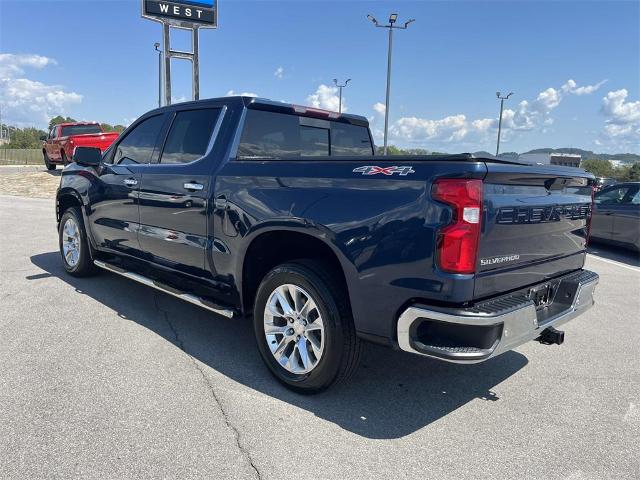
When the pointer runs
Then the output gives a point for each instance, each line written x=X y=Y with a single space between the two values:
x=80 y=130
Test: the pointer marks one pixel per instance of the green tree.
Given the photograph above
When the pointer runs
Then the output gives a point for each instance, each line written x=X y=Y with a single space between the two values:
x=25 y=138
x=632 y=173
x=600 y=168
x=60 y=119
x=393 y=150
x=112 y=128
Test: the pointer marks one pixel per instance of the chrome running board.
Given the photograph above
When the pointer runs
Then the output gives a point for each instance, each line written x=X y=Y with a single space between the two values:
x=187 y=297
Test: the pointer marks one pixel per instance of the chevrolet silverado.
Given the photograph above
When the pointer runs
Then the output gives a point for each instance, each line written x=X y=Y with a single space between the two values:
x=283 y=214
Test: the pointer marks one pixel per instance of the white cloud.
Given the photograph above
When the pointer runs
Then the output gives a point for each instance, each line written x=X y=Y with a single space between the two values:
x=622 y=124
x=326 y=97
x=232 y=93
x=571 y=87
x=547 y=100
x=482 y=125
x=616 y=107
x=279 y=73
x=452 y=128
x=28 y=102
x=380 y=108
x=12 y=65
x=526 y=116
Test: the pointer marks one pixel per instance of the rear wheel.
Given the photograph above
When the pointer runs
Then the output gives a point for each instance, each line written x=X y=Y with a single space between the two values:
x=304 y=328
x=74 y=245
x=47 y=162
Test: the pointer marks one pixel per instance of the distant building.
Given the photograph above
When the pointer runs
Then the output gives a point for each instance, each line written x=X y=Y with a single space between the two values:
x=563 y=159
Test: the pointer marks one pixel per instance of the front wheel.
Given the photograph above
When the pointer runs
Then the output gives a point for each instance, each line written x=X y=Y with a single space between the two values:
x=304 y=327
x=74 y=245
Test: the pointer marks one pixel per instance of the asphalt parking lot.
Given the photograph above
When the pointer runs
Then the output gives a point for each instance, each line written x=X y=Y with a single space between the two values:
x=105 y=378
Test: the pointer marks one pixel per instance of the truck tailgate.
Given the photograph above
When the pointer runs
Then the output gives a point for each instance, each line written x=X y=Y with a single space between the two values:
x=99 y=140
x=534 y=226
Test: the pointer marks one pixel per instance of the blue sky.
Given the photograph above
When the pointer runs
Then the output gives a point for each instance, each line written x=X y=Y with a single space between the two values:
x=573 y=65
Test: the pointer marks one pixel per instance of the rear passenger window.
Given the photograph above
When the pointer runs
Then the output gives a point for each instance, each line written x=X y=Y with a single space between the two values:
x=269 y=135
x=189 y=135
x=613 y=196
x=138 y=145
x=272 y=135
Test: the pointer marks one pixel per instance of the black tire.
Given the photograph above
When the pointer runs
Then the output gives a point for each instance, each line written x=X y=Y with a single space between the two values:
x=84 y=266
x=47 y=162
x=341 y=348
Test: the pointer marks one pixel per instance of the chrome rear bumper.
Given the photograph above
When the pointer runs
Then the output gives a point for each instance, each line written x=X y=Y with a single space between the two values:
x=494 y=326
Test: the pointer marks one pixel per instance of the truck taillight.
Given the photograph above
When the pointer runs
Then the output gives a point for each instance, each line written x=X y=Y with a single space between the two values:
x=457 y=243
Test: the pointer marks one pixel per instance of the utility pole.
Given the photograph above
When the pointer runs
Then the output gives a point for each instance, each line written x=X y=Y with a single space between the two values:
x=340 y=87
x=502 y=99
x=157 y=47
x=391 y=26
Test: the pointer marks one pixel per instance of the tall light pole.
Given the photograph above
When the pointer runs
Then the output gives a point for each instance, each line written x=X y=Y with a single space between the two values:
x=502 y=99
x=391 y=27
x=340 y=87
x=157 y=47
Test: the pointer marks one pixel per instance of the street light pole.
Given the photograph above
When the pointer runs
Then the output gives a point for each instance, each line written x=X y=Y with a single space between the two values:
x=157 y=47
x=502 y=99
x=340 y=87
x=391 y=26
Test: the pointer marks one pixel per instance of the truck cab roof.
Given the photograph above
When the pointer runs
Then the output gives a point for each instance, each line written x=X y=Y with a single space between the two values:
x=260 y=103
x=69 y=124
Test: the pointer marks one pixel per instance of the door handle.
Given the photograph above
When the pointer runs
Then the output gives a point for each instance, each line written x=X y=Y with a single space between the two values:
x=221 y=202
x=193 y=186
x=130 y=182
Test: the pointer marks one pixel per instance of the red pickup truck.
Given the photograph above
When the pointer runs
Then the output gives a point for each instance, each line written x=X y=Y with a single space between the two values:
x=63 y=138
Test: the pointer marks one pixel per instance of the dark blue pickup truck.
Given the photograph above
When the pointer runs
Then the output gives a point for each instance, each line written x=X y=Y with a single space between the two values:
x=282 y=213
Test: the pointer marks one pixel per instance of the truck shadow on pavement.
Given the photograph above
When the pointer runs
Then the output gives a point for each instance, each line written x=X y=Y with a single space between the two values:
x=392 y=394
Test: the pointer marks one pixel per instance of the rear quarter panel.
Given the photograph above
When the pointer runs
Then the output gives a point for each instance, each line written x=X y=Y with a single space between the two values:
x=382 y=228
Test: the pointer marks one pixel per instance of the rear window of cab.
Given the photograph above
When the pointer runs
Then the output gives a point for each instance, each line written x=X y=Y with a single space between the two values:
x=272 y=135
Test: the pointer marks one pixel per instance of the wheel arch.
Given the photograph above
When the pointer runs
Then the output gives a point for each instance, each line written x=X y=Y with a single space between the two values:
x=274 y=246
x=65 y=199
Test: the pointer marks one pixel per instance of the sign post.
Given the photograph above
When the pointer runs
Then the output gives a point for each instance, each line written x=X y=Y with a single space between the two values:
x=188 y=15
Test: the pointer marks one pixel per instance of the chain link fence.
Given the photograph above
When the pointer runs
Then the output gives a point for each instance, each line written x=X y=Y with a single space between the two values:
x=27 y=156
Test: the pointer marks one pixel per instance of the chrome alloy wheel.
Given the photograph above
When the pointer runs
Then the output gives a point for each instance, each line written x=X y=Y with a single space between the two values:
x=71 y=242
x=294 y=329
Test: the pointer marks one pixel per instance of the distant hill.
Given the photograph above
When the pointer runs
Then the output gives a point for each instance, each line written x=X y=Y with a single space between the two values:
x=585 y=154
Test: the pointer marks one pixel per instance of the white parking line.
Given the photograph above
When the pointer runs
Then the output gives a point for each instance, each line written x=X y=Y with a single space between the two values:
x=613 y=262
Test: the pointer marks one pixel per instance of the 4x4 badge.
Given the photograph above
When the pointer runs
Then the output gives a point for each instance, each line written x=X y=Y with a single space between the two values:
x=374 y=170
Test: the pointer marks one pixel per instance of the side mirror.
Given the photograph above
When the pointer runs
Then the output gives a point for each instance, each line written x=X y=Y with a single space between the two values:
x=87 y=156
